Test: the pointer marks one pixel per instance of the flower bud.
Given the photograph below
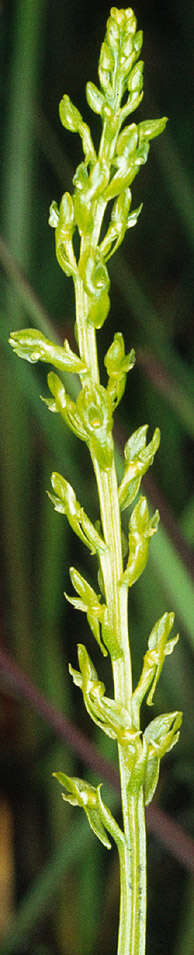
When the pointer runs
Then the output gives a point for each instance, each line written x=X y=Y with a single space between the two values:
x=94 y=97
x=95 y=410
x=118 y=364
x=98 y=310
x=150 y=128
x=66 y=214
x=130 y=21
x=69 y=115
x=127 y=140
x=135 y=81
x=163 y=732
x=94 y=273
x=113 y=32
x=127 y=49
x=53 y=215
x=121 y=208
x=80 y=793
x=141 y=528
x=106 y=61
x=98 y=178
x=137 y=43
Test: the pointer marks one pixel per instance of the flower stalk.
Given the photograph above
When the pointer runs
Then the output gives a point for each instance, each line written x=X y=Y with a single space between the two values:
x=101 y=179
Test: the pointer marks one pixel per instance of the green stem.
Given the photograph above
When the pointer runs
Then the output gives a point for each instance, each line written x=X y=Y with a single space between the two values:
x=85 y=333
x=132 y=922
x=112 y=566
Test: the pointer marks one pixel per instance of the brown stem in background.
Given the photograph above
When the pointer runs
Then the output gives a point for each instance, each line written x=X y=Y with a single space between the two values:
x=63 y=727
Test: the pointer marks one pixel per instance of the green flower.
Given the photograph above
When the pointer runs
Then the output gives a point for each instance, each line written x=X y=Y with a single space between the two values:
x=95 y=410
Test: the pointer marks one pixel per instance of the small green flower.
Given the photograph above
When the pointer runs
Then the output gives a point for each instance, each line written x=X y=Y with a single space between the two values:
x=65 y=502
x=141 y=528
x=89 y=602
x=82 y=794
x=110 y=715
x=32 y=345
x=160 y=737
x=139 y=458
x=118 y=364
x=158 y=648
x=94 y=407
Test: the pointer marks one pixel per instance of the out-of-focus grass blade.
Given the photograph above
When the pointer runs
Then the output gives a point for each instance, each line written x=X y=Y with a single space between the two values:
x=25 y=69
x=34 y=308
x=15 y=460
x=169 y=387
x=56 y=157
x=17 y=211
x=155 y=338
x=90 y=898
x=42 y=894
x=187 y=521
x=175 y=174
x=175 y=580
x=177 y=690
x=178 y=183
x=26 y=297
x=184 y=940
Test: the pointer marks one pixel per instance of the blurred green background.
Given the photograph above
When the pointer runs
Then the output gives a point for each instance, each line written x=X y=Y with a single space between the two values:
x=60 y=889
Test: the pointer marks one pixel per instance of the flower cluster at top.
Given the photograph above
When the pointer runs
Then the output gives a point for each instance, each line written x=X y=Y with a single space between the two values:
x=107 y=175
